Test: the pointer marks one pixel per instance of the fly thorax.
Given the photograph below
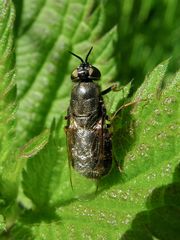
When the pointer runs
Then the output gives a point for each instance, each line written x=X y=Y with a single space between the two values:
x=85 y=99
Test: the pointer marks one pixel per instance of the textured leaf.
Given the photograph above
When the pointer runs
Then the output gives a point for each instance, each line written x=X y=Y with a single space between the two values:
x=44 y=64
x=149 y=162
x=158 y=147
x=156 y=121
x=34 y=145
x=132 y=205
x=41 y=179
x=143 y=201
x=2 y=224
x=7 y=101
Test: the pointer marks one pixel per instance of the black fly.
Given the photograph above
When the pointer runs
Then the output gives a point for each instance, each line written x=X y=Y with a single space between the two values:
x=88 y=135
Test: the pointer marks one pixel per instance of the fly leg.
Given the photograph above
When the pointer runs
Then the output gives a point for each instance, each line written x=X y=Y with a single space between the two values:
x=118 y=165
x=97 y=186
x=67 y=117
x=126 y=105
x=110 y=119
x=113 y=88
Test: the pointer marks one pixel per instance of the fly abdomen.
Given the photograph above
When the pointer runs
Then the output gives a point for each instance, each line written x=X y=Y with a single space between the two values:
x=90 y=151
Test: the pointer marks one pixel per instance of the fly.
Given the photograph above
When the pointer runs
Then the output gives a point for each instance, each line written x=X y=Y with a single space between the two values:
x=89 y=139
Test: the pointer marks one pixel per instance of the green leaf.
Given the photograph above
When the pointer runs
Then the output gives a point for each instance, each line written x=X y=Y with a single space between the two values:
x=155 y=121
x=44 y=230
x=145 y=196
x=43 y=63
x=140 y=201
x=8 y=188
x=7 y=84
x=149 y=162
x=157 y=149
x=148 y=32
x=124 y=49
x=2 y=224
x=42 y=176
x=34 y=145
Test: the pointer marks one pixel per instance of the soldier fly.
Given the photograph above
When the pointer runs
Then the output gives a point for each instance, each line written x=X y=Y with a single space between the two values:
x=89 y=139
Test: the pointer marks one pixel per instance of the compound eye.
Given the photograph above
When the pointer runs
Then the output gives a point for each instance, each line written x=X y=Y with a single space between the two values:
x=94 y=73
x=74 y=75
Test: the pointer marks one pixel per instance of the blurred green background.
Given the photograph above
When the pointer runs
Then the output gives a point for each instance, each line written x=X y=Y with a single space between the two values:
x=148 y=33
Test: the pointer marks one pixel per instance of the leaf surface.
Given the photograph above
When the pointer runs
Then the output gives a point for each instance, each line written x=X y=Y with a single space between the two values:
x=139 y=201
x=8 y=187
x=44 y=65
x=126 y=203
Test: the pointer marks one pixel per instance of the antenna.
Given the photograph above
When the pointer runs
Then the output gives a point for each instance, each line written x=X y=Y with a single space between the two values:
x=86 y=60
x=77 y=56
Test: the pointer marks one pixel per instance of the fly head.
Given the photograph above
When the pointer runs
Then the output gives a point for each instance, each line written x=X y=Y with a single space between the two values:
x=85 y=71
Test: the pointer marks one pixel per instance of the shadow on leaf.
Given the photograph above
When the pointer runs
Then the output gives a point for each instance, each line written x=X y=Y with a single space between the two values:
x=123 y=137
x=161 y=220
